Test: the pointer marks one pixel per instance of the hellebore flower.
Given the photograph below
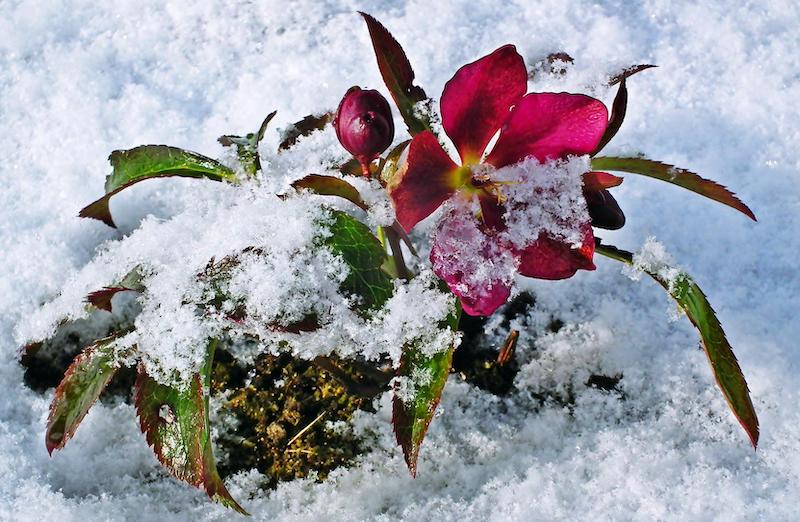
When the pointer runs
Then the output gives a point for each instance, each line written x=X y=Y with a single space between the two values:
x=476 y=250
x=364 y=125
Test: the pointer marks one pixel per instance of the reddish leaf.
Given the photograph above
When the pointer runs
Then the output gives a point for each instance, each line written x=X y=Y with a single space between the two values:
x=680 y=177
x=102 y=298
x=82 y=384
x=630 y=71
x=304 y=127
x=723 y=362
x=620 y=104
x=175 y=423
x=397 y=74
x=417 y=395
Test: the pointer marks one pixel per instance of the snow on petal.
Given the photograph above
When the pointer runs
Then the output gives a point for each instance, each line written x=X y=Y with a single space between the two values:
x=476 y=266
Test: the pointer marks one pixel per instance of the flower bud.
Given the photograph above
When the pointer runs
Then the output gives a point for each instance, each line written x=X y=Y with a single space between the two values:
x=604 y=210
x=364 y=124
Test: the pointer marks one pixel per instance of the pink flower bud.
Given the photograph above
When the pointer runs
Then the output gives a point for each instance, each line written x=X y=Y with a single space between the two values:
x=364 y=124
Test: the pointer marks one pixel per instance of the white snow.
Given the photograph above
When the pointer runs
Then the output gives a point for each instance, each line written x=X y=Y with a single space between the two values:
x=81 y=78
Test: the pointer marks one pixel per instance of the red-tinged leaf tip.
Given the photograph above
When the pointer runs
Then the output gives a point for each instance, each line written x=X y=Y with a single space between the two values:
x=677 y=176
x=83 y=382
x=618 y=110
x=101 y=299
x=627 y=73
x=305 y=127
x=99 y=210
x=397 y=74
x=727 y=372
x=414 y=403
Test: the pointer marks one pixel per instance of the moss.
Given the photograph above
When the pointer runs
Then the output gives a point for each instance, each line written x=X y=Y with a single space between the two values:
x=289 y=414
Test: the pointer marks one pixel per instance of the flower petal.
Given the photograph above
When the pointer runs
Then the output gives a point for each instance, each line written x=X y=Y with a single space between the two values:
x=550 y=126
x=548 y=258
x=476 y=100
x=475 y=266
x=425 y=181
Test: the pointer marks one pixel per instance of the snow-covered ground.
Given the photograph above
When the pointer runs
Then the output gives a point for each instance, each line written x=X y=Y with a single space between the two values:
x=81 y=78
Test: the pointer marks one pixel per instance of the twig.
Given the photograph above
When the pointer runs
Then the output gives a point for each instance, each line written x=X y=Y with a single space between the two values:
x=308 y=427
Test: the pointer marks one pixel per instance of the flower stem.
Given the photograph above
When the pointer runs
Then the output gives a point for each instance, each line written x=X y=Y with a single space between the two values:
x=397 y=252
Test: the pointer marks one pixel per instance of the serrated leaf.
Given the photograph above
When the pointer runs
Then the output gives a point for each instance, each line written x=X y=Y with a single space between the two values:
x=397 y=75
x=723 y=362
x=148 y=162
x=305 y=127
x=417 y=393
x=363 y=253
x=247 y=146
x=175 y=423
x=83 y=382
x=671 y=174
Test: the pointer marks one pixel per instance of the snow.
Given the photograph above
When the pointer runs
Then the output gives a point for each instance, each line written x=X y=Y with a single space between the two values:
x=80 y=79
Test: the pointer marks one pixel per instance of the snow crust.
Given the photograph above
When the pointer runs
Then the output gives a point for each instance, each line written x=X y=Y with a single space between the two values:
x=79 y=79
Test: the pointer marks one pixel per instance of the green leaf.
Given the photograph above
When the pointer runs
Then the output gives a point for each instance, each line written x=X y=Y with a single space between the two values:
x=305 y=127
x=152 y=161
x=84 y=381
x=363 y=253
x=247 y=146
x=175 y=423
x=417 y=394
x=397 y=75
x=331 y=186
x=676 y=176
x=720 y=354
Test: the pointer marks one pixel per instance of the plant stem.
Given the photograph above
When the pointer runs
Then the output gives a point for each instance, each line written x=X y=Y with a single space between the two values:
x=397 y=253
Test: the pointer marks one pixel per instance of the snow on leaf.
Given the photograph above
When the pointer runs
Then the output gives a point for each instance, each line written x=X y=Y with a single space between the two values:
x=247 y=146
x=175 y=423
x=152 y=161
x=83 y=382
x=397 y=74
x=720 y=355
x=363 y=253
x=671 y=174
x=420 y=381
x=304 y=127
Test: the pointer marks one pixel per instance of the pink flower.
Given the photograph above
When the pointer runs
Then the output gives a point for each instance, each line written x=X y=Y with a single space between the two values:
x=472 y=252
